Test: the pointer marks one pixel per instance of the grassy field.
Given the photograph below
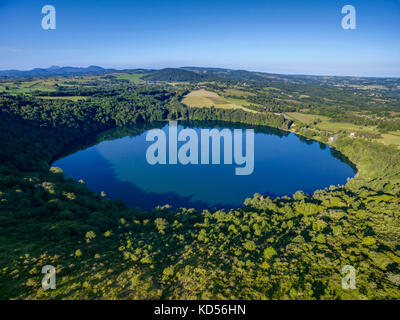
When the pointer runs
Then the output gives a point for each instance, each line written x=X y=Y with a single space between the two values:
x=28 y=86
x=305 y=118
x=72 y=98
x=51 y=85
x=326 y=123
x=46 y=85
x=391 y=138
x=272 y=89
x=238 y=93
x=241 y=102
x=204 y=98
x=337 y=126
x=132 y=77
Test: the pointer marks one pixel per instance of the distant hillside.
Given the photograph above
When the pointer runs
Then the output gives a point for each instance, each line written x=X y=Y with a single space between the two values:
x=54 y=71
x=178 y=75
x=199 y=74
x=244 y=75
x=362 y=83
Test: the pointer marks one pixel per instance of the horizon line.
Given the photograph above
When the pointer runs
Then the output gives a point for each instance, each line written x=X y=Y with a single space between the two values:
x=200 y=67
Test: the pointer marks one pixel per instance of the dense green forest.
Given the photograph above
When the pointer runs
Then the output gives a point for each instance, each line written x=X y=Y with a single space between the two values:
x=177 y=75
x=281 y=248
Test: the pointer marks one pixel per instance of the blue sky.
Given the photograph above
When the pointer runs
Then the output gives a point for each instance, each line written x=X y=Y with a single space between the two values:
x=282 y=36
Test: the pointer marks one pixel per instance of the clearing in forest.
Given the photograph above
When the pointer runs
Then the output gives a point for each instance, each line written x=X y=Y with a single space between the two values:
x=205 y=99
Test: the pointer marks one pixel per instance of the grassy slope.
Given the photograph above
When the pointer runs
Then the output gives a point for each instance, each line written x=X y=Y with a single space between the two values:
x=238 y=93
x=204 y=98
x=305 y=118
x=132 y=77
x=72 y=98
x=28 y=86
x=392 y=138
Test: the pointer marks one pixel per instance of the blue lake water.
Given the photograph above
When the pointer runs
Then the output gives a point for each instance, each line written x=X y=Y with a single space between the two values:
x=115 y=162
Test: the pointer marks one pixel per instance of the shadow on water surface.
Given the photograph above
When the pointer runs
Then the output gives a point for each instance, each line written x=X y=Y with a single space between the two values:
x=107 y=135
x=103 y=178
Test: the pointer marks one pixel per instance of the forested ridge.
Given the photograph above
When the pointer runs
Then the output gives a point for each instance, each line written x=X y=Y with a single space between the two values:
x=282 y=248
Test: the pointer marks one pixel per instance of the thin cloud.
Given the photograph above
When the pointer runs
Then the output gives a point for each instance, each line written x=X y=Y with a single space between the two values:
x=12 y=50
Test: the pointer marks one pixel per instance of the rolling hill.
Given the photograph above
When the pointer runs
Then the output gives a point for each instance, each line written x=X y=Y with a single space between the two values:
x=178 y=75
x=53 y=71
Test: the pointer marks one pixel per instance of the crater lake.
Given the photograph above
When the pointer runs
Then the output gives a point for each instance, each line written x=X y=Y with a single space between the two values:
x=114 y=161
